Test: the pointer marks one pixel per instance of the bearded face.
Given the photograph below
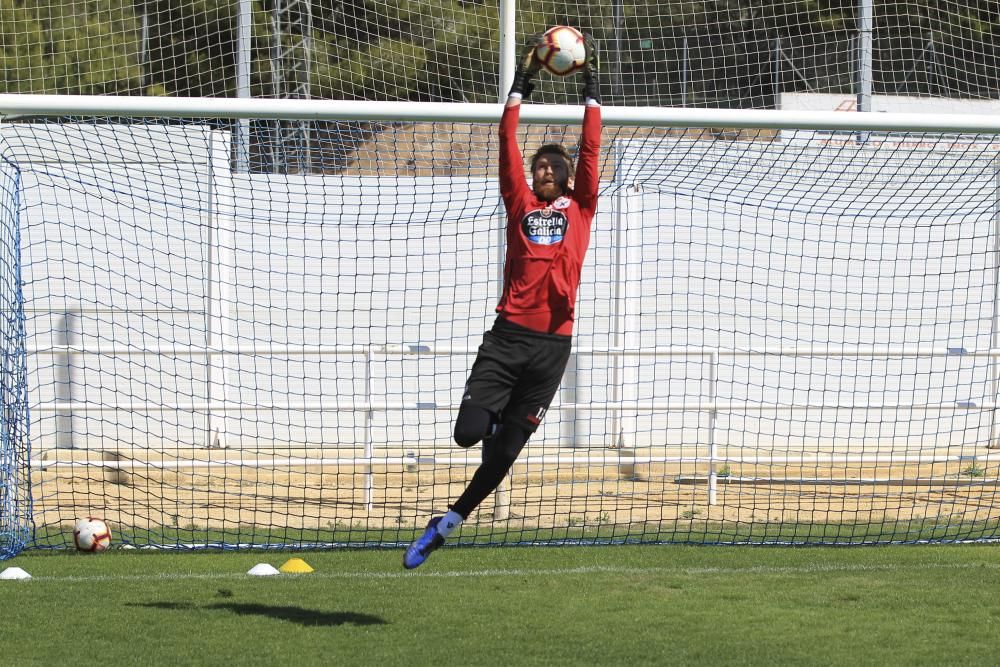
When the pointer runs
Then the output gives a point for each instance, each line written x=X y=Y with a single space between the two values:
x=550 y=177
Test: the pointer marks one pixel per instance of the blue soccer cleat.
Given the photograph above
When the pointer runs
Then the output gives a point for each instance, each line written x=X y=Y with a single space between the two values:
x=422 y=547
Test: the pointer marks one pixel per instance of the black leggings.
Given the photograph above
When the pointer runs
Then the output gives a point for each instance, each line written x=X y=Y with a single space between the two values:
x=472 y=425
x=499 y=453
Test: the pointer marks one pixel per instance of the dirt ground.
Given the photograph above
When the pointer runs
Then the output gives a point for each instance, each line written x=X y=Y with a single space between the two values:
x=216 y=491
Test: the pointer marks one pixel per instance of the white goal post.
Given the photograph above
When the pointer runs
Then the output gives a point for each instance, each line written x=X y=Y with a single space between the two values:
x=827 y=317
x=13 y=107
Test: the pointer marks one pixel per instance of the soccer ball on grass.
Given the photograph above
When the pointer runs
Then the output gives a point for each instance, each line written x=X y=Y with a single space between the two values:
x=91 y=535
x=561 y=50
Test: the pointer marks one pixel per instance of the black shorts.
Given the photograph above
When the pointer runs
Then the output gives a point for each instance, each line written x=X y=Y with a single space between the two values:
x=517 y=372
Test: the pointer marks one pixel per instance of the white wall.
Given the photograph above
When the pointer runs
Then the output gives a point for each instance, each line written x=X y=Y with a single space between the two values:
x=742 y=245
x=790 y=245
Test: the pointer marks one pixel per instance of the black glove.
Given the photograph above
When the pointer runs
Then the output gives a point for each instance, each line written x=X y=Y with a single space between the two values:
x=527 y=67
x=591 y=86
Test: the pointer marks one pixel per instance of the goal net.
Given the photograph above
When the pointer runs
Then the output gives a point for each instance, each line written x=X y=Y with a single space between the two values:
x=15 y=493
x=250 y=328
x=736 y=54
x=784 y=335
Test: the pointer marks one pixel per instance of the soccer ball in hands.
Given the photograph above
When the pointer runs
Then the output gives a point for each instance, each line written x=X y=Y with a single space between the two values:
x=561 y=50
x=91 y=534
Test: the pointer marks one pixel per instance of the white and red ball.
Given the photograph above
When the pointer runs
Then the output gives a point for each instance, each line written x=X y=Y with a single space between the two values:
x=91 y=534
x=562 y=50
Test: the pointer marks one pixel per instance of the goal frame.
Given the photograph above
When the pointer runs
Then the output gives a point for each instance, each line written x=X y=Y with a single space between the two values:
x=861 y=124
x=18 y=106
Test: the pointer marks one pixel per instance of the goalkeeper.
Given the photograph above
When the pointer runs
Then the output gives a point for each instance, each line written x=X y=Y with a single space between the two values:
x=521 y=361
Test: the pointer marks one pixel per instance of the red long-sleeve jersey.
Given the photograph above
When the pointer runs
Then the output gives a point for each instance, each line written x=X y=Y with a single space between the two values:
x=546 y=242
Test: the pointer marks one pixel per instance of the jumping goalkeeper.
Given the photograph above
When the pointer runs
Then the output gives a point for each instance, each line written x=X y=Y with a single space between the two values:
x=521 y=361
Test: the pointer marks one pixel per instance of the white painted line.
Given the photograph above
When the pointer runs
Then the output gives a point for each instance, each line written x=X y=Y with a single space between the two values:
x=521 y=572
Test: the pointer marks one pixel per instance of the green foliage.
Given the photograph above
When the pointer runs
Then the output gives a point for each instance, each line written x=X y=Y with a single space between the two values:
x=385 y=70
x=974 y=470
x=695 y=52
x=66 y=47
x=192 y=46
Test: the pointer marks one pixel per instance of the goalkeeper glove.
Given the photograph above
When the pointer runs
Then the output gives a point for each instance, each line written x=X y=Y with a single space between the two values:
x=591 y=86
x=527 y=68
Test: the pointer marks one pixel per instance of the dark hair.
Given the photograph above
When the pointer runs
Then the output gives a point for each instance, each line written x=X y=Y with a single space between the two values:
x=553 y=149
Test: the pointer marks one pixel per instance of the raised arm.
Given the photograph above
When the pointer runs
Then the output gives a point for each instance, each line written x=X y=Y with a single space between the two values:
x=588 y=160
x=512 y=181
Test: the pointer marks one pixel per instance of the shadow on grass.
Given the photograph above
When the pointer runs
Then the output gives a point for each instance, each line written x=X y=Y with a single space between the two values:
x=300 y=615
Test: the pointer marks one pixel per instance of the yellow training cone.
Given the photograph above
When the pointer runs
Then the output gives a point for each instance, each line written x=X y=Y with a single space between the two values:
x=295 y=566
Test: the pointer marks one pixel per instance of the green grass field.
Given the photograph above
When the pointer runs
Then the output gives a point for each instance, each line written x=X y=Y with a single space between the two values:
x=905 y=605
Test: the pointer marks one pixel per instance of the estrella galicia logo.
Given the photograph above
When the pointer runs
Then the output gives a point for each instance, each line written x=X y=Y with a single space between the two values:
x=545 y=226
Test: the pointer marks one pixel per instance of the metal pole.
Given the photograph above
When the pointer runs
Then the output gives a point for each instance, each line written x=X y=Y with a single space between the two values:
x=684 y=74
x=568 y=396
x=616 y=73
x=776 y=72
x=713 y=420
x=369 y=436
x=242 y=138
x=279 y=164
x=303 y=85
x=932 y=70
x=618 y=297
x=144 y=49
x=994 y=442
x=507 y=67
x=65 y=337
x=508 y=54
x=865 y=12
x=507 y=48
x=220 y=223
